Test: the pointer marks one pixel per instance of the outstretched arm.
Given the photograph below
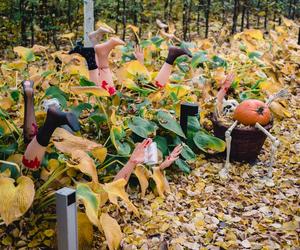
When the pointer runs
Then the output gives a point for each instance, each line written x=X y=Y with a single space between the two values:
x=137 y=157
x=222 y=92
x=172 y=157
x=139 y=54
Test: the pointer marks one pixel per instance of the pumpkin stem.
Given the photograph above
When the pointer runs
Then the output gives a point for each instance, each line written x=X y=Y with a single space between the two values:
x=260 y=110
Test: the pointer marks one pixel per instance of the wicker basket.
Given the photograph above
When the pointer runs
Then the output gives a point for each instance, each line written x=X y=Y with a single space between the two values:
x=246 y=142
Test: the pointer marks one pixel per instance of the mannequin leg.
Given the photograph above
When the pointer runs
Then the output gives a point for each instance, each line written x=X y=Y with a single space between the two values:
x=30 y=126
x=35 y=151
x=166 y=70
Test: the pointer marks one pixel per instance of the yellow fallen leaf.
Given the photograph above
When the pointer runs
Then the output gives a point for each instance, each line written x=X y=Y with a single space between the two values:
x=287 y=22
x=279 y=110
x=95 y=90
x=135 y=68
x=134 y=28
x=68 y=35
x=66 y=142
x=290 y=226
x=22 y=52
x=143 y=176
x=178 y=89
x=38 y=48
x=98 y=189
x=6 y=103
x=5 y=127
x=254 y=33
x=161 y=182
x=85 y=232
x=100 y=153
x=86 y=164
x=112 y=231
x=46 y=172
x=117 y=189
x=104 y=25
x=18 y=199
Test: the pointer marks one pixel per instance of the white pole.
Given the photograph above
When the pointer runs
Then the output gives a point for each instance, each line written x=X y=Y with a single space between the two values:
x=88 y=21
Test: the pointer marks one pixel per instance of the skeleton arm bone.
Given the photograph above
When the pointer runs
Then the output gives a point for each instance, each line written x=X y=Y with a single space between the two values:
x=224 y=171
x=275 y=145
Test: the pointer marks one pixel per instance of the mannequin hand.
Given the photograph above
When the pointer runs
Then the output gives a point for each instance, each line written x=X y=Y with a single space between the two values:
x=139 y=54
x=172 y=157
x=138 y=154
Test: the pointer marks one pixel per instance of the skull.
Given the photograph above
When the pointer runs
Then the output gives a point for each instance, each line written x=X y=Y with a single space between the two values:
x=229 y=106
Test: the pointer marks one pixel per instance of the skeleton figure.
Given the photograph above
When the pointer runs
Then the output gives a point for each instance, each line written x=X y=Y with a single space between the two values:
x=229 y=107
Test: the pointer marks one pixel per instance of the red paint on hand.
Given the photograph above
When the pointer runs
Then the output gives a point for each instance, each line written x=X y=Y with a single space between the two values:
x=110 y=89
x=158 y=84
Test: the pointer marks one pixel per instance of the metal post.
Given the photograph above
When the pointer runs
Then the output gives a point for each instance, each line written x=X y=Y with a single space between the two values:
x=66 y=212
x=187 y=109
x=88 y=21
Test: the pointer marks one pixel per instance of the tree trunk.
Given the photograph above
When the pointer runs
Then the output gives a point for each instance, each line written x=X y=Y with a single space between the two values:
x=294 y=9
x=290 y=8
x=32 y=24
x=117 y=17
x=235 y=16
x=248 y=18
x=166 y=17
x=207 y=18
x=243 y=17
x=170 y=10
x=223 y=13
x=124 y=20
x=198 y=17
x=141 y=19
x=266 y=16
x=69 y=15
x=88 y=21
x=184 y=17
x=22 y=9
x=189 y=21
x=258 y=17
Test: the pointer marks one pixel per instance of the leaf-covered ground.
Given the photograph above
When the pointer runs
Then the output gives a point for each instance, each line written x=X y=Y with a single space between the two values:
x=246 y=212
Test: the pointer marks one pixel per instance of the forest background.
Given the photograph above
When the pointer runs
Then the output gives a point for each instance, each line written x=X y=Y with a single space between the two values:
x=29 y=22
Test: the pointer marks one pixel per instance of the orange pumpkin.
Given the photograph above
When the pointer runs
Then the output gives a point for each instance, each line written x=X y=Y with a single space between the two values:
x=252 y=111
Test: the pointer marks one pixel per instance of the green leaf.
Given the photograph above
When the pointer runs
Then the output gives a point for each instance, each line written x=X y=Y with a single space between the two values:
x=47 y=73
x=14 y=172
x=55 y=92
x=162 y=144
x=82 y=106
x=142 y=127
x=90 y=201
x=166 y=120
x=187 y=153
x=199 y=58
x=218 y=62
x=123 y=148
x=183 y=166
x=15 y=95
x=85 y=82
x=8 y=149
x=253 y=54
x=29 y=56
x=207 y=142
x=157 y=41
